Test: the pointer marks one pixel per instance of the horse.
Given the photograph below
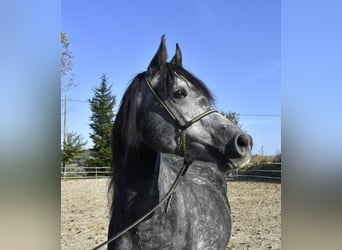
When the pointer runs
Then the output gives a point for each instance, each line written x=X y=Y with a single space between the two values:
x=167 y=110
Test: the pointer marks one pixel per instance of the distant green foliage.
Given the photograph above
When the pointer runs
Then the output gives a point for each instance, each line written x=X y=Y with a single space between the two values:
x=72 y=148
x=233 y=117
x=277 y=158
x=265 y=162
x=102 y=120
x=259 y=159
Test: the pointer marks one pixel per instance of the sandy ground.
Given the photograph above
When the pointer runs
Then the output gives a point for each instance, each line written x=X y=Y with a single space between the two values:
x=256 y=208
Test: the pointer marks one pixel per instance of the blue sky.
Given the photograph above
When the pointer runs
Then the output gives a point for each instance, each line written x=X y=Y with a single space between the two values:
x=233 y=46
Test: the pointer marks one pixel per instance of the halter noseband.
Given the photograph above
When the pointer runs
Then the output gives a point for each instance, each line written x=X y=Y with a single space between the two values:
x=182 y=128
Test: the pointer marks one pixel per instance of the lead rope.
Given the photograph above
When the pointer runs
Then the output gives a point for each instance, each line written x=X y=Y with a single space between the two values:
x=172 y=189
x=167 y=198
x=187 y=162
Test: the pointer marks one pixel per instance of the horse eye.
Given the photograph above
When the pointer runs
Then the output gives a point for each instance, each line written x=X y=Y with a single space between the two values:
x=179 y=93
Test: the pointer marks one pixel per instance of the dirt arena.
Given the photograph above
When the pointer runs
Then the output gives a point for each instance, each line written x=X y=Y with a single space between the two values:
x=256 y=214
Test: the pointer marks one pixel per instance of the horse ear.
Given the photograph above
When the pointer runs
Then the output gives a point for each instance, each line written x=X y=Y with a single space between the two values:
x=177 y=58
x=159 y=58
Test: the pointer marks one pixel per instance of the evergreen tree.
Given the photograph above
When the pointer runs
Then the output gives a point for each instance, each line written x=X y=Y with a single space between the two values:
x=72 y=148
x=102 y=121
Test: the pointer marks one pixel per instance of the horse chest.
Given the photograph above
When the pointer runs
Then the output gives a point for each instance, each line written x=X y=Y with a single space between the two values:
x=198 y=218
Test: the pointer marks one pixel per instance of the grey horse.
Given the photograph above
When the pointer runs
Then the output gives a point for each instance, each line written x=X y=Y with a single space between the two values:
x=167 y=110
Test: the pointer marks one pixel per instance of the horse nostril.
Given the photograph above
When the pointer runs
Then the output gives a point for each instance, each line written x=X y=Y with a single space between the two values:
x=243 y=144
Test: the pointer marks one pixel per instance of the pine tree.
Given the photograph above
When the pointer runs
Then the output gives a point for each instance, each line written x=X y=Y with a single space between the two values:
x=72 y=148
x=102 y=121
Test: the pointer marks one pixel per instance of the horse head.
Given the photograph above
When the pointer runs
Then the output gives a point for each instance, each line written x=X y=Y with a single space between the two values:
x=175 y=106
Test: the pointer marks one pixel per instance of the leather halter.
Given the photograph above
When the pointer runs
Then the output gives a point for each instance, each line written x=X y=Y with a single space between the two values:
x=182 y=128
x=181 y=173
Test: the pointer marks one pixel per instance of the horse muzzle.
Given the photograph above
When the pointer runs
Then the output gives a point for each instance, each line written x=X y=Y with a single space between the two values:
x=238 y=151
